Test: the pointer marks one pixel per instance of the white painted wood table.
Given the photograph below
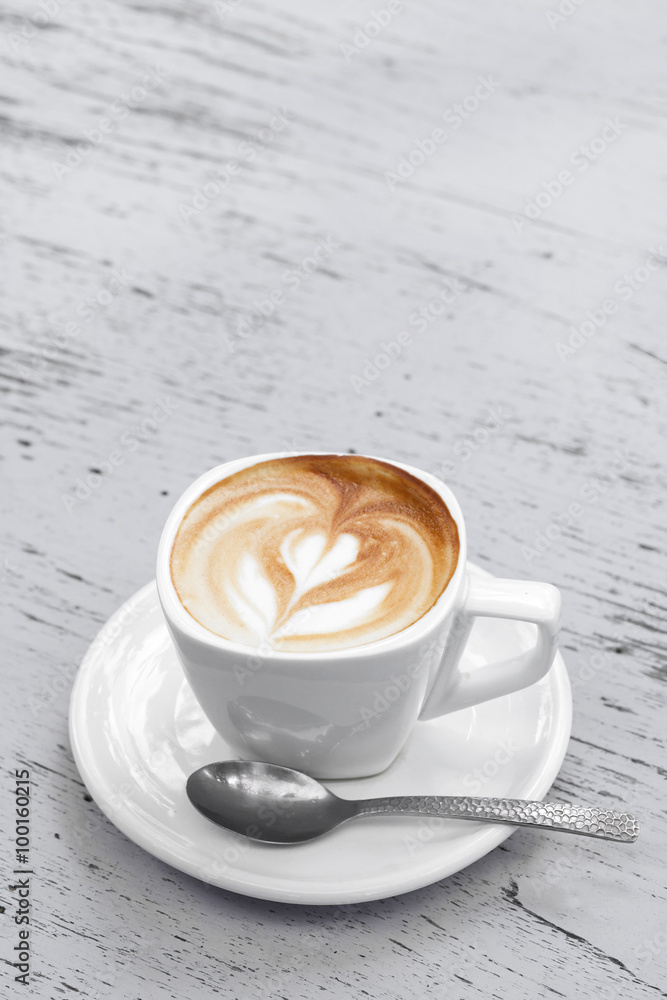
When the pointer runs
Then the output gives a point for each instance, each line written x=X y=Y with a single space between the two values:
x=486 y=186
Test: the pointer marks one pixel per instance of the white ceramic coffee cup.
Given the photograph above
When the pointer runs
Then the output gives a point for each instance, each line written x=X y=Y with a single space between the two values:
x=348 y=712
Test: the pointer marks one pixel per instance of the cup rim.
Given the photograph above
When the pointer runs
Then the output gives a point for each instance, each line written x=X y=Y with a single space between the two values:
x=181 y=620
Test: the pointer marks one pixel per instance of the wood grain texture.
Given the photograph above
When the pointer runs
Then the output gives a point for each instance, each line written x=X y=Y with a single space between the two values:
x=133 y=345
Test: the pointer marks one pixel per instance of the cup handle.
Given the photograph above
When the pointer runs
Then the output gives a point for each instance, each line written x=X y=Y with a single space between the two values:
x=488 y=597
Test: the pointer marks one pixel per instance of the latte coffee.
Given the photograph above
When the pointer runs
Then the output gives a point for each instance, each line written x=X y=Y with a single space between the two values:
x=313 y=553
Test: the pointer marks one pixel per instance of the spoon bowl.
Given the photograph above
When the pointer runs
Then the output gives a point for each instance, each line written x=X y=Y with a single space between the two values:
x=266 y=802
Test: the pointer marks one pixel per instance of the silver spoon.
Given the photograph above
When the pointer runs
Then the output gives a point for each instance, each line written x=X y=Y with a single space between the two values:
x=280 y=806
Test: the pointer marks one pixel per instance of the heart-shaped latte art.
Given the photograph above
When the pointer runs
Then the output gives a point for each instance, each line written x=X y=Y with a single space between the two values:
x=314 y=552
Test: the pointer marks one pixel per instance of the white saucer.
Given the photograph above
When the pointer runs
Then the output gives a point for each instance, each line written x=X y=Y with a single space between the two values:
x=137 y=732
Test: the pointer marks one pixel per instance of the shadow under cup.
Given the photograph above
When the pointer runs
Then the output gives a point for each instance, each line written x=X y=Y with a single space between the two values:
x=343 y=713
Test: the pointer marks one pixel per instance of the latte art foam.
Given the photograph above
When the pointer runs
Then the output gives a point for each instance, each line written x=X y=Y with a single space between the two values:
x=313 y=553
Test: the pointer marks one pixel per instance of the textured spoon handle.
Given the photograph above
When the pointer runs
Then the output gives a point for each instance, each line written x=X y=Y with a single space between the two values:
x=590 y=822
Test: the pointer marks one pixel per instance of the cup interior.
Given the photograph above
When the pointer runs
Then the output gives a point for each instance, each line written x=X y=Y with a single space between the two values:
x=182 y=621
